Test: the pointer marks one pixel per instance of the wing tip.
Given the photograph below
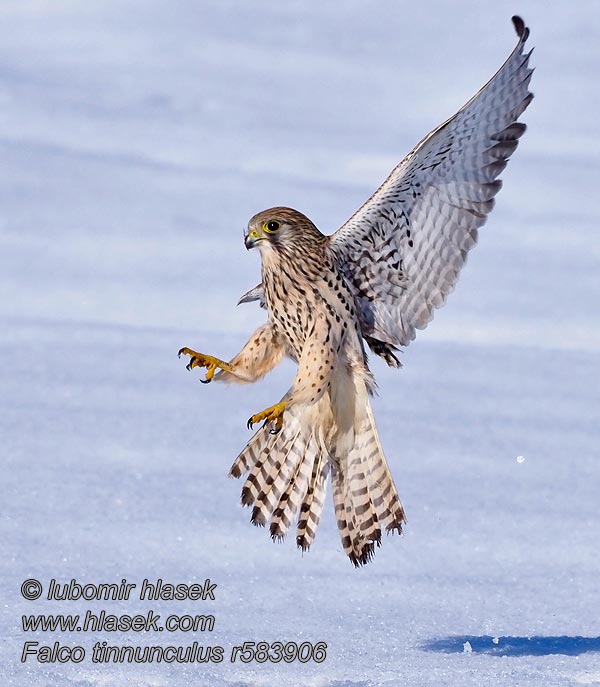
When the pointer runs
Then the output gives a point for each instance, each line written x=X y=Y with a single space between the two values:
x=255 y=294
x=520 y=28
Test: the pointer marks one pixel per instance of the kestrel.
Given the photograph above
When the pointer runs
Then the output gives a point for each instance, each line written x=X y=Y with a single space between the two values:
x=377 y=280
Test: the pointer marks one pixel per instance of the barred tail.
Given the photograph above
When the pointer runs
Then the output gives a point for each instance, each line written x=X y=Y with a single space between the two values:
x=287 y=473
x=371 y=500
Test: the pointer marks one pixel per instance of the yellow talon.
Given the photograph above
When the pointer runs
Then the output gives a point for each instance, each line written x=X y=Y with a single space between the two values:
x=272 y=414
x=211 y=363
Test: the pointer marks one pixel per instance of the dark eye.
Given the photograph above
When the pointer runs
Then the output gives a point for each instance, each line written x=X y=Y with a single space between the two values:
x=272 y=225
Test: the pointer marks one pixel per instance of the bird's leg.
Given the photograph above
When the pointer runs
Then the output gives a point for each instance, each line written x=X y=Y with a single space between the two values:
x=272 y=414
x=262 y=352
x=208 y=361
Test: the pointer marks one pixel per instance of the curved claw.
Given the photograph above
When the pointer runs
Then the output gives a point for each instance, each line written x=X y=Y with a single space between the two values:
x=180 y=351
x=205 y=381
x=272 y=414
x=211 y=363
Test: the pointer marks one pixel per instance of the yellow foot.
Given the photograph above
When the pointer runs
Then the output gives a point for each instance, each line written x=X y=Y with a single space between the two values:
x=200 y=360
x=272 y=414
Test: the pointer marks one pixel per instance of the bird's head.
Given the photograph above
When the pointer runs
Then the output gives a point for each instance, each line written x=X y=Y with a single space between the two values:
x=280 y=228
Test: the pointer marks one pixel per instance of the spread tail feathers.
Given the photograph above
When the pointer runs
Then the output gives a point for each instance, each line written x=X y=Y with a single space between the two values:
x=287 y=474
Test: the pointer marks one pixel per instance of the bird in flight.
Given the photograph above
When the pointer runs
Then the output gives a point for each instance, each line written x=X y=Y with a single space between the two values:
x=373 y=283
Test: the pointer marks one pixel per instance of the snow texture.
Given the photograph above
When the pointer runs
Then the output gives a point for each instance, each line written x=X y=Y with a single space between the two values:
x=137 y=138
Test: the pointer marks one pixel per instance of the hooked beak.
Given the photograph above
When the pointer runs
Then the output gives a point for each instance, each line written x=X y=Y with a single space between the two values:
x=252 y=238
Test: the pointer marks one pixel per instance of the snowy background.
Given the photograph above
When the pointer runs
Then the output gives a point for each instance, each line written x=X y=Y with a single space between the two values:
x=137 y=138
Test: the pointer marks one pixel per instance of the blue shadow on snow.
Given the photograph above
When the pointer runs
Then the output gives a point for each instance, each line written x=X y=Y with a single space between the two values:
x=513 y=646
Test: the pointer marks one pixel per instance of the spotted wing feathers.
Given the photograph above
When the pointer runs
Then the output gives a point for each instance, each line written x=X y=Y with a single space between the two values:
x=403 y=250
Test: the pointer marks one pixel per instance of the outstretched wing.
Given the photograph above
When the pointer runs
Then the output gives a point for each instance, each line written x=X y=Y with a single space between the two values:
x=402 y=251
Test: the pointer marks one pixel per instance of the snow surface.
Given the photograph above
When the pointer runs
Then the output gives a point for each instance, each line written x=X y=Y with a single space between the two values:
x=137 y=138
